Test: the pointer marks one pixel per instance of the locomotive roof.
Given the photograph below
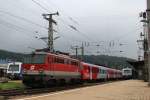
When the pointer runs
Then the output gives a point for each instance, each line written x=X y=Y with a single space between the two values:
x=55 y=54
x=127 y=68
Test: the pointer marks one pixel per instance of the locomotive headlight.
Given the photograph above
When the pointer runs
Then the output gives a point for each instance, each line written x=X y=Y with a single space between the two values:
x=24 y=71
x=41 y=70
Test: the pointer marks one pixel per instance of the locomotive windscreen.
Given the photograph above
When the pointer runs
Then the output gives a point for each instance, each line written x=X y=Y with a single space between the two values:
x=34 y=59
x=127 y=71
x=13 y=68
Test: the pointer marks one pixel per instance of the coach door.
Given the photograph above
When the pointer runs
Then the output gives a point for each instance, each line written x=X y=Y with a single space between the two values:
x=90 y=71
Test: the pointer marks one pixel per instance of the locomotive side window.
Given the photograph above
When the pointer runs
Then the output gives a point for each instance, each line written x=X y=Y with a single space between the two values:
x=74 y=63
x=58 y=60
x=49 y=59
x=67 y=61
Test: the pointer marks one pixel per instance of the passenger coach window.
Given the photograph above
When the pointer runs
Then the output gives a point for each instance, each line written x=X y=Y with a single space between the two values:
x=95 y=70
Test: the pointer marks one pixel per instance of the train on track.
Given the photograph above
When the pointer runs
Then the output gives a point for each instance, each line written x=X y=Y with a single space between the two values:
x=14 y=70
x=127 y=73
x=45 y=69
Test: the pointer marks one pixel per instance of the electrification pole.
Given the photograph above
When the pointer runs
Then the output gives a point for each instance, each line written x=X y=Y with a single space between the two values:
x=76 y=50
x=148 y=20
x=144 y=41
x=49 y=17
x=82 y=52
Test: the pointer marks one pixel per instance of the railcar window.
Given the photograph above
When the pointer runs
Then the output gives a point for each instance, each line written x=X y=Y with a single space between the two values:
x=34 y=59
x=13 y=68
x=102 y=71
x=127 y=71
x=94 y=70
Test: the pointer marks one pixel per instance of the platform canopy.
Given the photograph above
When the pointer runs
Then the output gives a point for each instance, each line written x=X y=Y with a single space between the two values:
x=137 y=64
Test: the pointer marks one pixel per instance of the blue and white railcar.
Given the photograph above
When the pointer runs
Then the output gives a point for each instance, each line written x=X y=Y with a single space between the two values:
x=14 y=70
x=127 y=73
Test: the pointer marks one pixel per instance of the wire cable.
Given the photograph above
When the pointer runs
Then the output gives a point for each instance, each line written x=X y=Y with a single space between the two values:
x=23 y=19
x=74 y=28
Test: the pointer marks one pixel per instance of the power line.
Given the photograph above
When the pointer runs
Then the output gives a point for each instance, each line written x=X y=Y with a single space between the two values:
x=41 y=6
x=73 y=27
x=12 y=25
x=15 y=27
x=23 y=19
x=60 y=10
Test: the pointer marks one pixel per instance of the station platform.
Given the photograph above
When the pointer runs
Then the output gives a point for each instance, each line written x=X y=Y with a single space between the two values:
x=120 y=90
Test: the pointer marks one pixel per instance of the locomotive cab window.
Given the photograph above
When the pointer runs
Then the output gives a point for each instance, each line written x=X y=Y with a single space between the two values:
x=34 y=59
x=127 y=71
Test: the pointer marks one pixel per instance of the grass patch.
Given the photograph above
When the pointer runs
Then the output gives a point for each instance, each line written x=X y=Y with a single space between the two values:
x=11 y=85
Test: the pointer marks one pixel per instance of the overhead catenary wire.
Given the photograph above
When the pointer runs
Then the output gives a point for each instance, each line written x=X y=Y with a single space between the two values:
x=74 y=28
x=41 y=6
x=68 y=16
x=14 y=28
x=13 y=25
x=18 y=29
x=73 y=20
x=22 y=18
x=68 y=25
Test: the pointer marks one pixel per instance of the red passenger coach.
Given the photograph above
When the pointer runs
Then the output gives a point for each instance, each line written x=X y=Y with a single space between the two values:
x=48 y=68
x=90 y=71
x=95 y=72
x=85 y=71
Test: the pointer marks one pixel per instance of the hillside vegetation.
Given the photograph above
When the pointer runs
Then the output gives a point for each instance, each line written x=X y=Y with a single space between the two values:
x=110 y=61
x=11 y=55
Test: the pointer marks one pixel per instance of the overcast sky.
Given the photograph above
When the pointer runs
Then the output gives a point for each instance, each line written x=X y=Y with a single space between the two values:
x=98 y=22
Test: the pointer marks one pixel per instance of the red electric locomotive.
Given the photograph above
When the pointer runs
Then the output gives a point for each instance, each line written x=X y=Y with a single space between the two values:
x=47 y=68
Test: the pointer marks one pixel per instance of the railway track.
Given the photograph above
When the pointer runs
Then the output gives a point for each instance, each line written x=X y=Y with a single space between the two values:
x=17 y=92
